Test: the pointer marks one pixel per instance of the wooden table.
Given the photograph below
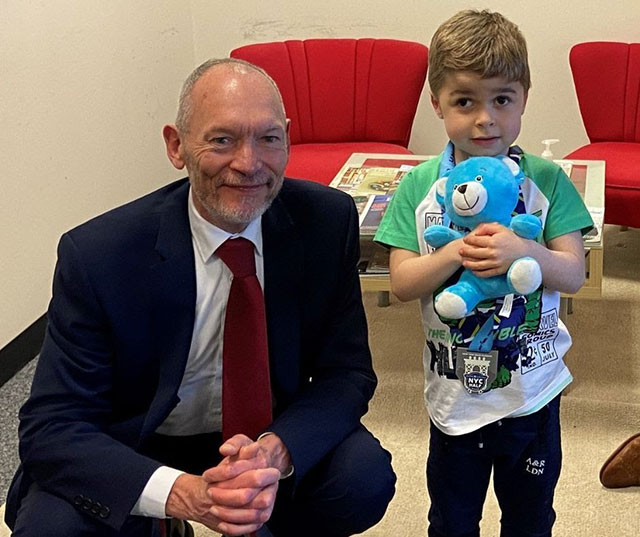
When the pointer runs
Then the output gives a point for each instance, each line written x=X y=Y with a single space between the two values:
x=373 y=170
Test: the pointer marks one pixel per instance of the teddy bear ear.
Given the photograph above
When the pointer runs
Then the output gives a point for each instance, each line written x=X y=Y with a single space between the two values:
x=515 y=169
x=441 y=186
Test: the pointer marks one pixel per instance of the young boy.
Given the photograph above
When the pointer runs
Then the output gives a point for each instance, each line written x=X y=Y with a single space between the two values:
x=479 y=81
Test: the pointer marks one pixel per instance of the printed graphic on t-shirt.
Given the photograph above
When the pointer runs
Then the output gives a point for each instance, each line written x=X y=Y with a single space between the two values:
x=541 y=347
x=522 y=336
x=512 y=336
x=432 y=219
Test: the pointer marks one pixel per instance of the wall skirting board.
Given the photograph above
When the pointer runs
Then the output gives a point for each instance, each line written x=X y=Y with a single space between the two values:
x=22 y=349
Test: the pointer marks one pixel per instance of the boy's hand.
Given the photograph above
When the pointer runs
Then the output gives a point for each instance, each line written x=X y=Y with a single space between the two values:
x=490 y=249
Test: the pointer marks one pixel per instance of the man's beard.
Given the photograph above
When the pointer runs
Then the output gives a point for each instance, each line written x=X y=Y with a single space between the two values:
x=237 y=214
x=234 y=215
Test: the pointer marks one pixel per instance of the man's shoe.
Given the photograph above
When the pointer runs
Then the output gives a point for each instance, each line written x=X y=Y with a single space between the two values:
x=622 y=468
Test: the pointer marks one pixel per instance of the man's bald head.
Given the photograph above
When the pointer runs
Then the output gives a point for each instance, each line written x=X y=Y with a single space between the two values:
x=230 y=65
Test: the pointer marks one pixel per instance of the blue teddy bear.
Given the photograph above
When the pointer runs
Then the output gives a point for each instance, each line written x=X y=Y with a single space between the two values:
x=483 y=189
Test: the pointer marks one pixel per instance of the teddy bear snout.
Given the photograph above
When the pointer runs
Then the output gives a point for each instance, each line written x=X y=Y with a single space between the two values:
x=469 y=199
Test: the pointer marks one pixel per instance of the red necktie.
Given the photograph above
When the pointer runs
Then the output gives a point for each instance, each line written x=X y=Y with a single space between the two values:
x=246 y=389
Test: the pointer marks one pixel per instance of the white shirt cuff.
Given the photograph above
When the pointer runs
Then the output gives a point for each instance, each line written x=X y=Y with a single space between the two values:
x=153 y=500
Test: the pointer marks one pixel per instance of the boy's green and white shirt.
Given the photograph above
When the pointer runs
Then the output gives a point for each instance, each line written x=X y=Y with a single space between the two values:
x=530 y=337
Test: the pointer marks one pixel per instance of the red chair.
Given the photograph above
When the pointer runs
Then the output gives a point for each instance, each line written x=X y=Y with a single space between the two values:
x=343 y=96
x=607 y=80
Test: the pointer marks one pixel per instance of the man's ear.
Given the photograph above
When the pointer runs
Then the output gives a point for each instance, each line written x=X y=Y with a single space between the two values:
x=173 y=144
x=288 y=134
x=436 y=105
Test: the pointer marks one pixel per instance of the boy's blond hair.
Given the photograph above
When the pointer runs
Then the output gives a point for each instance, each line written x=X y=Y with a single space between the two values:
x=483 y=42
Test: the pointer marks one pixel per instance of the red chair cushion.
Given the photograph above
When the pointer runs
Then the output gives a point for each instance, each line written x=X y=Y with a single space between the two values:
x=607 y=80
x=622 y=179
x=345 y=90
x=321 y=162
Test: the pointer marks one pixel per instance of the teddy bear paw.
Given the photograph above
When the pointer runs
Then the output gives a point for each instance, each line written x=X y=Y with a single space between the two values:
x=525 y=275
x=450 y=305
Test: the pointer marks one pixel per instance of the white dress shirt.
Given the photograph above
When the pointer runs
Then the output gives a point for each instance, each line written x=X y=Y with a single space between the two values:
x=200 y=407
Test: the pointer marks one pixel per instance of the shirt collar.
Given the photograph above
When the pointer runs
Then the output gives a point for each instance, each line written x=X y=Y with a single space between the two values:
x=207 y=237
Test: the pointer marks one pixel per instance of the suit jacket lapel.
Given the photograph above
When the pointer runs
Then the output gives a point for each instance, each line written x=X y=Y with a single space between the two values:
x=172 y=285
x=283 y=269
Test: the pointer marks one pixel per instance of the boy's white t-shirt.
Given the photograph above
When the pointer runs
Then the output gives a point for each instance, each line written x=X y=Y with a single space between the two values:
x=529 y=335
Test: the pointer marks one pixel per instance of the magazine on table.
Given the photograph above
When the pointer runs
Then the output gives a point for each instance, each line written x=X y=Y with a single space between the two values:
x=362 y=205
x=595 y=235
x=373 y=177
x=372 y=184
x=373 y=216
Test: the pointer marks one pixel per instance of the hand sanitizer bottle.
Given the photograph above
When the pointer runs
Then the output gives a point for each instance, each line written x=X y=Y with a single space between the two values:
x=547 y=154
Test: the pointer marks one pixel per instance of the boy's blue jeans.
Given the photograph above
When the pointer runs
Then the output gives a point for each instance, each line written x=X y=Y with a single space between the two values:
x=525 y=456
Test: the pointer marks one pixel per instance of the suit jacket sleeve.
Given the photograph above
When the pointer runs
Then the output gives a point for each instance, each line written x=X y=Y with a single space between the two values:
x=67 y=440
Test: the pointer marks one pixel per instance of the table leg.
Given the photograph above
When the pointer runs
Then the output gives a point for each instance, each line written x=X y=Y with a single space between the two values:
x=566 y=308
x=383 y=299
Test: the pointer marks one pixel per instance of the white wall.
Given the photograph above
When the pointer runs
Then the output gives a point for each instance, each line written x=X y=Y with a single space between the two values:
x=550 y=26
x=86 y=86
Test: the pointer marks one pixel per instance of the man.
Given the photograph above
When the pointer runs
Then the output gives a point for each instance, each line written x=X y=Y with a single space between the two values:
x=123 y=425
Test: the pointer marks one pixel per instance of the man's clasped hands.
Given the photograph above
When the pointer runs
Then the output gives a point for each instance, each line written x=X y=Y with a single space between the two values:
x=236 y=496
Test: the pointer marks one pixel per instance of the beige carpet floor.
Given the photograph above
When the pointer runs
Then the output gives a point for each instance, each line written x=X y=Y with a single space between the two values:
x=600 y=411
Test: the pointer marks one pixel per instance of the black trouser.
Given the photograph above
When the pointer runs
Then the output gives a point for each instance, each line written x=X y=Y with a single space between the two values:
x=525 y=456
x=346 y=493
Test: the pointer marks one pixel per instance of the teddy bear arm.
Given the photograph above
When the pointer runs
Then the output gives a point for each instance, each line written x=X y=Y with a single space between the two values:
x=438 y=236
x=459 y=299
x=526 y=226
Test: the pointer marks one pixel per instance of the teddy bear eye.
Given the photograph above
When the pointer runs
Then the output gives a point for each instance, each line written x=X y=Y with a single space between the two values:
x=478 y=177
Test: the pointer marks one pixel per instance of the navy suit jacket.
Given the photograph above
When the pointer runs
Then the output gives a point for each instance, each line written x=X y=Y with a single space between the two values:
x=119 y=330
